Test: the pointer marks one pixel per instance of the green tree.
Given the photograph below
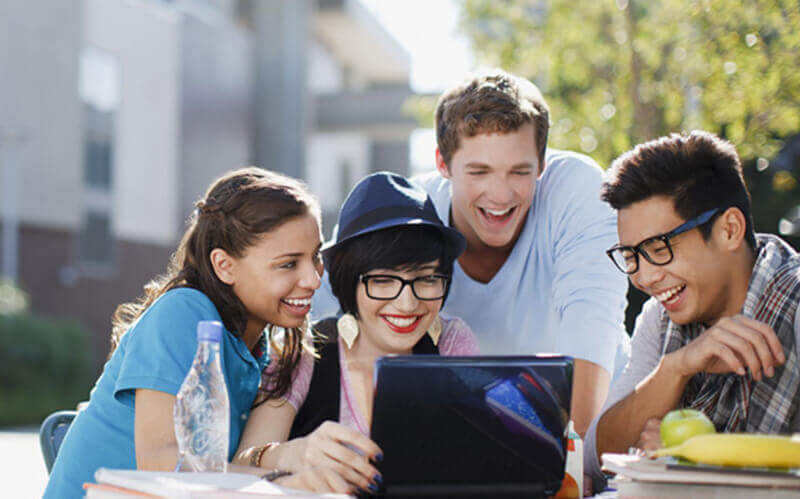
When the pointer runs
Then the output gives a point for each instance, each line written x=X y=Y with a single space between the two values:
x=619 y=72
x=616 y=73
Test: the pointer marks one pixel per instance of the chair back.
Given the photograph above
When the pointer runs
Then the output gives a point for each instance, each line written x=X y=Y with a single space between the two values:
x=51 y=434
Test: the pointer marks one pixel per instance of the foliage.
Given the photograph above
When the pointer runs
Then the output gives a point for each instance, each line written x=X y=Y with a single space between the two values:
x=619 y=73
x=12 y=299
x=44 y=366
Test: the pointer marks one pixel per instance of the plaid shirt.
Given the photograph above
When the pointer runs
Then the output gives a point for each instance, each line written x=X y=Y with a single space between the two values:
x=739 y=403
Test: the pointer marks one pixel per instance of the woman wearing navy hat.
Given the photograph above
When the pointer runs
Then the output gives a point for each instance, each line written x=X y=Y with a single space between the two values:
x=390 y=264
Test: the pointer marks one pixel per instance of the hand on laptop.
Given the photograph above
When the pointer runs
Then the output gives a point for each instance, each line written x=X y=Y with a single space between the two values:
x=339 y=449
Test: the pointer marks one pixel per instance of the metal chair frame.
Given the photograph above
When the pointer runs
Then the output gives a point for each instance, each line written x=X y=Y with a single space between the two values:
x=51 y=434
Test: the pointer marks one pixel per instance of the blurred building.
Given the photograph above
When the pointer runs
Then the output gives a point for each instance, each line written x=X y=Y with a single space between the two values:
x=116 y=114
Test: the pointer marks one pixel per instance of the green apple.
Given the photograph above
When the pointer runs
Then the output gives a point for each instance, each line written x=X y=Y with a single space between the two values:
x=682 y=424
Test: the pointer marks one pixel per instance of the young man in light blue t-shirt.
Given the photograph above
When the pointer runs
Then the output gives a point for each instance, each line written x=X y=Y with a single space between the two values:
x=534 y=277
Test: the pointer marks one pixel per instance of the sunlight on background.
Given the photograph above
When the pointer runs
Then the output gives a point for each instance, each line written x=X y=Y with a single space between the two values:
x=440 y=56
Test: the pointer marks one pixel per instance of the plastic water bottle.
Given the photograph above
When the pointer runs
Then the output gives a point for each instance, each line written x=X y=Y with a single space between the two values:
x=201 y=414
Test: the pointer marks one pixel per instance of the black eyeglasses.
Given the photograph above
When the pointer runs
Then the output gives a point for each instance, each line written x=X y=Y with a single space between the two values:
x=657 y=249
x=389 y=287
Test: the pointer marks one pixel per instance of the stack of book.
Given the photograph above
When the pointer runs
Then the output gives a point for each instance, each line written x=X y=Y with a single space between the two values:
x=132 y=484
x=641 y=477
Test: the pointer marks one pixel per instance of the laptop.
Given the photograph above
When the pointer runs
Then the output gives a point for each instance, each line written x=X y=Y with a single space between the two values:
x=472 y=426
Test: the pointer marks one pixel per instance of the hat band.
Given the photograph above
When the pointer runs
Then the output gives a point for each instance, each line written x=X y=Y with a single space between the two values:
x=384 y=214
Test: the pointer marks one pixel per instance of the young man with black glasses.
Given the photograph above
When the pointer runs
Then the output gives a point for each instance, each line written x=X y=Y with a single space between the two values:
x=721 y=332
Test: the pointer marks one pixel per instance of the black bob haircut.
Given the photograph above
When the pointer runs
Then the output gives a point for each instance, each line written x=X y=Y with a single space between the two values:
x=406 y=247
x=698 y=171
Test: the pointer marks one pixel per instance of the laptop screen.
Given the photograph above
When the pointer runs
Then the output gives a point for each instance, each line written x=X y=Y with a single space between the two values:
x=472 y=425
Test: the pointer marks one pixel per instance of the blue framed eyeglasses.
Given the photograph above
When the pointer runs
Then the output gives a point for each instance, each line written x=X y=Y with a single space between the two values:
x=657 y=249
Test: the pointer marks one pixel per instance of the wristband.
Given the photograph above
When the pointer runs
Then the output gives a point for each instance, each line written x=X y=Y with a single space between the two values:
x=255 y=457
x=274 y=474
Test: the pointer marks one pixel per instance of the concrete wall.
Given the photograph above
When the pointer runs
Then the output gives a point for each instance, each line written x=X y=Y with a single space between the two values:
x=144 y=175
x=325 y=76
x=216 y=105
x=40 y=44
x=282 y=105
x=336 y=162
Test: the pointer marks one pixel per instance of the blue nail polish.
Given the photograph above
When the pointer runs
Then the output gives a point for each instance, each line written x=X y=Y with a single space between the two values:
x=373 y=488
x=379 y=457
x=377 y=478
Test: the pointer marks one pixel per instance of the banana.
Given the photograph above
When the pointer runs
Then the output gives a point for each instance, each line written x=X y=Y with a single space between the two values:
x=738 y=449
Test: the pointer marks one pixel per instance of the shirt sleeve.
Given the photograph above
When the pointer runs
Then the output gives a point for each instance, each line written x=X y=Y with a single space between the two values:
x=457 y=338
x=795 y=424
x=301 y=380
x=162 y=344
x=589 y=293
x=645 y=356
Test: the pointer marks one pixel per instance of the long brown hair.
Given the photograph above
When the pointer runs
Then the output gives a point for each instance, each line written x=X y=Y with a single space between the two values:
x=237 y=208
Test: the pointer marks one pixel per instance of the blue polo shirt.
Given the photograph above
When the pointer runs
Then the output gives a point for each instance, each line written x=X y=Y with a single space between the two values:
x=155 y=354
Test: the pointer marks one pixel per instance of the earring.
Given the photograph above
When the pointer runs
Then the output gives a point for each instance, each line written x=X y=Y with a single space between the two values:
x=347 y=326
x=435 y=330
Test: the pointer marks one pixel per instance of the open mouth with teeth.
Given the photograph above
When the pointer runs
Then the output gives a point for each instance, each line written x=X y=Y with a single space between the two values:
x=403 y=324
x=671 y=297
x=297 y=306
x=497 y=216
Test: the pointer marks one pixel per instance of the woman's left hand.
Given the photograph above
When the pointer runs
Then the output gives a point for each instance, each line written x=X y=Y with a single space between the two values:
x=337 y=447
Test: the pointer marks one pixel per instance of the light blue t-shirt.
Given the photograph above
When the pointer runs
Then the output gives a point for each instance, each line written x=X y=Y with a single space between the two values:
x=558 y=291
x=156 y=354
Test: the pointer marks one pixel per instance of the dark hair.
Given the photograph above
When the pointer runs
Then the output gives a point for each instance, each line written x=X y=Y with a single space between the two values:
x=405 y=247
x=237 y=208
x=699 y=171
x=492 y=102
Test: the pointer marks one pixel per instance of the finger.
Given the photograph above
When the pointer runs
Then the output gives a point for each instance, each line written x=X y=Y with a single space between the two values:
x=348 y=458
x=351 y=475
x=305 y=480
x=650 y=436
x=726 y=355
x=767 y=334
x=647 y=444
x=353 y=438
x=647 y=441
x=734 y=338
x=653 y=424
x=761 y=336
x=335 y=483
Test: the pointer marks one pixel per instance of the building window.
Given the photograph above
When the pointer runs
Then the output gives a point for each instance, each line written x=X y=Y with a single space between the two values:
x=98 y=147
x=96 y=242
x=100 y=89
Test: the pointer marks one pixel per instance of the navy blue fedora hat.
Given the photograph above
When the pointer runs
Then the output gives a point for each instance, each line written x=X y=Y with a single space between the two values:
x=383 y=200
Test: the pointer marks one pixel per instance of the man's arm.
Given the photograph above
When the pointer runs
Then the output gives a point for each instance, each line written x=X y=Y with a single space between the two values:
x=621 y=426
x=589 y=391
x=589 y=293
x=734 y=344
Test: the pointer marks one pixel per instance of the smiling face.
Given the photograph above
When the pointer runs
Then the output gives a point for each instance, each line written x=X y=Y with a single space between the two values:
x=696 y=285
x=276 y=277
x=395 y=326
x=493 y=180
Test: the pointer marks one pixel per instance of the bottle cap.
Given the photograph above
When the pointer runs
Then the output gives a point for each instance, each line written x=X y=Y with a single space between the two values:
x=209 y=331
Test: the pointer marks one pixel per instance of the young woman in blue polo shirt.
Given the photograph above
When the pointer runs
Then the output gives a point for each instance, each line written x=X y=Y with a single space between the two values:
x=250 y=258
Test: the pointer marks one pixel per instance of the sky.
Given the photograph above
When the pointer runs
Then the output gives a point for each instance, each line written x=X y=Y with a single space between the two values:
x=428 y=30
x=440 y=55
